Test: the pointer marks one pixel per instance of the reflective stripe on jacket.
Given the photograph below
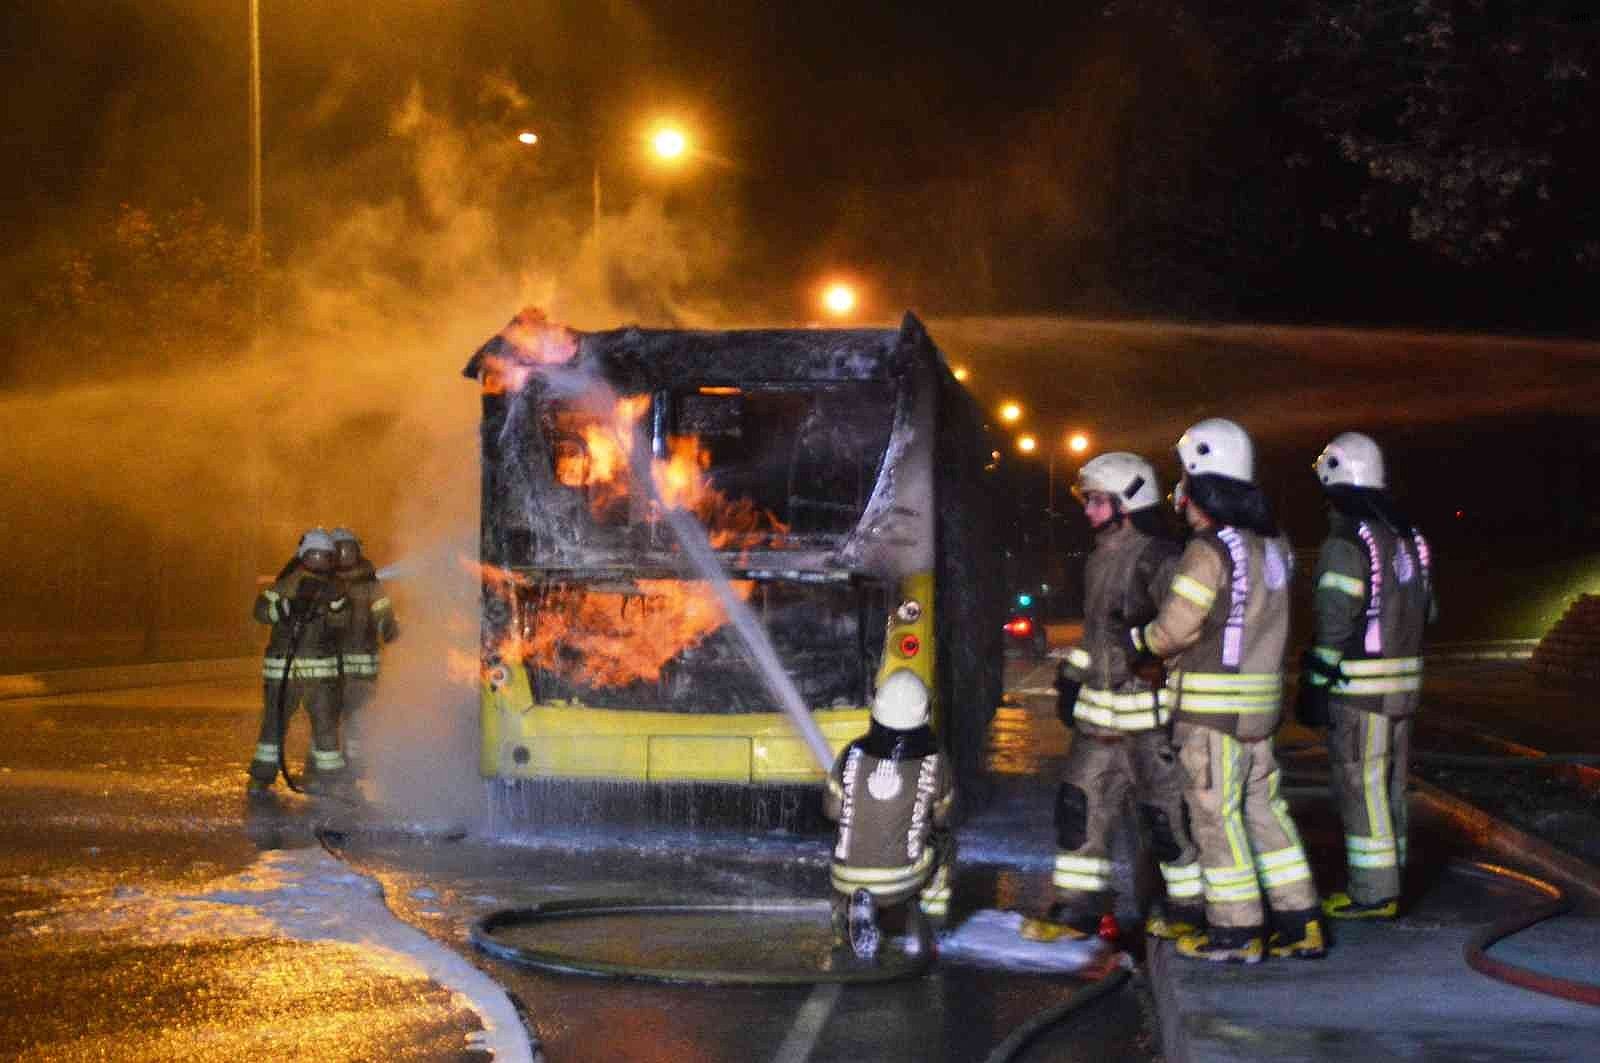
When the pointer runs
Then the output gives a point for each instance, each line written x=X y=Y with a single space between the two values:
x=1125 y=577
x=1223 y=628
x=1372 y=599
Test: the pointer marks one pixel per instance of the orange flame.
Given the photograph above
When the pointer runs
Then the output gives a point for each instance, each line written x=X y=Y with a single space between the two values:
x=610 y=639
x=529 y=340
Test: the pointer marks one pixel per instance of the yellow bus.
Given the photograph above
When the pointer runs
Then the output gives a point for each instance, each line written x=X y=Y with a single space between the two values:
x=843 y=478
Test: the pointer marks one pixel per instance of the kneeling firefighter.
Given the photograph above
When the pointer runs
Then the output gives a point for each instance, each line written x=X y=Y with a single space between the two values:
x=306 y=607
x=1362 y=677
x=1118 y=717
x=891 y=793
x=1223 y=627
x=371 y=622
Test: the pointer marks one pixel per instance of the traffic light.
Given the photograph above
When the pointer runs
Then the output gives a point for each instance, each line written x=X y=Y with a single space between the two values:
x=1024 y=600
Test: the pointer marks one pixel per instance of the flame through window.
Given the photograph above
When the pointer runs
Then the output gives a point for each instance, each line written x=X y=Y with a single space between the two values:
x=782 y=465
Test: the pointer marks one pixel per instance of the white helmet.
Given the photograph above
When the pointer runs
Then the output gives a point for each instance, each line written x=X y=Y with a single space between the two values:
x=315 y=539
x=1127 y=477
x=1218 y=447
x=1351 y=458
x=901 y=701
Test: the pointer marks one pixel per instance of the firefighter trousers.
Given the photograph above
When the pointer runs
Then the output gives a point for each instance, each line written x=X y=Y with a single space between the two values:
x=1370 y=754
x=357 y=694
x=280 y=699
x=1100 y=773
x=1248 y=843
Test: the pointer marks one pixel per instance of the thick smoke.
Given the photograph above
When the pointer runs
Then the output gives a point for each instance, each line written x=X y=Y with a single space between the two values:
x=145 y=509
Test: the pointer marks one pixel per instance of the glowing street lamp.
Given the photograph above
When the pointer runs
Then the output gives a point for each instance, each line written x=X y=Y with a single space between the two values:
x=669 y=143
x=961 y=373
x=1078 y=442
x=1011 y=413
x=529 y=137
x=839 y=299
x=1027 y=444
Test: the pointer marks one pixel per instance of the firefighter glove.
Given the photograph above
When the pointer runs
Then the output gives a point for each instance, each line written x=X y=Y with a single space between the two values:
x=1066 y=697
x=1142 y=663
x=1311 y=703
x=1316 y=682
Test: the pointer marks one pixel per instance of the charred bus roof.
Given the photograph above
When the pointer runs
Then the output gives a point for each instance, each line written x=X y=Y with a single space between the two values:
x=638 y=359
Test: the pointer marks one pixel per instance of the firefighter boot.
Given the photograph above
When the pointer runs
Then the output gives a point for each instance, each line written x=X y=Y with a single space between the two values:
x=1343 y=906
x=1061 y=924
x=1176 y=921
x=1223 y=944
x=863 y=922
x=1297 y=935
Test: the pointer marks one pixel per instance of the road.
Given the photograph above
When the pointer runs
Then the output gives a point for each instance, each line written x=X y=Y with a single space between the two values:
x=152 y=912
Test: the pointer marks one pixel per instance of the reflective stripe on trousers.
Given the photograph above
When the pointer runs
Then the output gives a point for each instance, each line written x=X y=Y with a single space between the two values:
x=1107 y=771
x=1247 y=840
x=1369 y=755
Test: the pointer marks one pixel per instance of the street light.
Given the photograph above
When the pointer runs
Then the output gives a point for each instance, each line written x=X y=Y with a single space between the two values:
x=669 y=143
x=1010 y=413
x=839 y=299
x=1078 y=442
x=1027 y=444
x=961 y=373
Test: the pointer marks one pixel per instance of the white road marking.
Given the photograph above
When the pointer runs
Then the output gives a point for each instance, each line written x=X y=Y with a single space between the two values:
x=808 y=1024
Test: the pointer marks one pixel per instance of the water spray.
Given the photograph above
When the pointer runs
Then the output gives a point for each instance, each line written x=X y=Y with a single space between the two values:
x=696 y=544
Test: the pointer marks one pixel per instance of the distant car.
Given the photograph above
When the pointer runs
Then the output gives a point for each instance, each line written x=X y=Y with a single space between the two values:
x=1025 y=635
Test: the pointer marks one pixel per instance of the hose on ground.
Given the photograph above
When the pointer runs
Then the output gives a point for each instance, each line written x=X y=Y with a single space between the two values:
x=483 y=938
x=1477 y=947
x=1023 y=1035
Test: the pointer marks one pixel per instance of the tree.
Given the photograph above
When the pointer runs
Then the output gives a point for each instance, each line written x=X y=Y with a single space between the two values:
x=1473 y=119
x=144 y=289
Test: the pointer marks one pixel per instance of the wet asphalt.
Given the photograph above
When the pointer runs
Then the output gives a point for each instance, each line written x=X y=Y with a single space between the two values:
x=110 y=800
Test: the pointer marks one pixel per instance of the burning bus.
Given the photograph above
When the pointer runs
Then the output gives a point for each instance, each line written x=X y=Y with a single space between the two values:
x=840 y=482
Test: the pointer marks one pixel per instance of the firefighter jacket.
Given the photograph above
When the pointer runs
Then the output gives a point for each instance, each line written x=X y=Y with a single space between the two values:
x=1125 y=580
x=308 y=614
x=371 y=621
x=1223 y=627
x=1373 y=595
x=888 y=790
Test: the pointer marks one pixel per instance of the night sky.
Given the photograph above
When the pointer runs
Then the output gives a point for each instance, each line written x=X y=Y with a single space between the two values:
x=1077 y=157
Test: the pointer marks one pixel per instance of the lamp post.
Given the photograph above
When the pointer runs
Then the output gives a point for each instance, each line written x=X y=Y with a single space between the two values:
x=255 y=156
x=668 y=145
x=1077 y=443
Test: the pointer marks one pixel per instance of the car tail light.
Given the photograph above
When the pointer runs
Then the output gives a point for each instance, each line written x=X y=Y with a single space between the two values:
x=1020 y=626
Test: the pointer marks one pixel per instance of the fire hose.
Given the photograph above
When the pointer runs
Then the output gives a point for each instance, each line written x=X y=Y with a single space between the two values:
x=1024 y=1035
x=297 y=628
x=484 y=929
x=1556 y=903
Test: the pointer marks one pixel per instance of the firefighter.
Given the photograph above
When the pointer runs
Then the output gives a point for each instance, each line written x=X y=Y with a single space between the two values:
x=306 y=608
x=1362 y=677
x=371 y=621
x=1118 y=719
x=1222 y=628
x=891 y=793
